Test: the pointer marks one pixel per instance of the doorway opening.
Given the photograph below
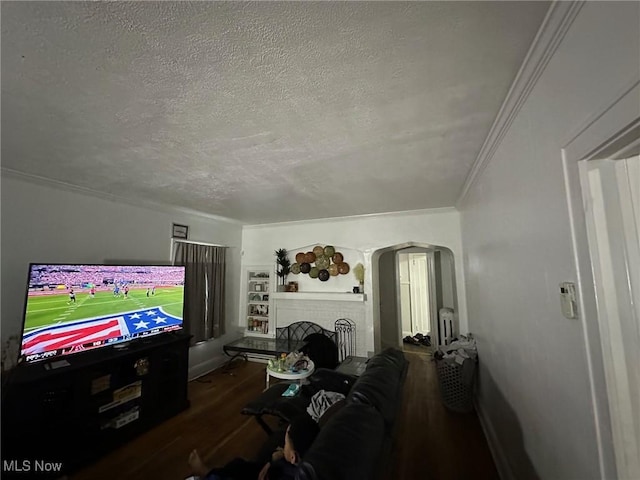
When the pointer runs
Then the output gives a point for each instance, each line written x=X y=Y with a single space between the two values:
x=415 y=295
x=414 y=282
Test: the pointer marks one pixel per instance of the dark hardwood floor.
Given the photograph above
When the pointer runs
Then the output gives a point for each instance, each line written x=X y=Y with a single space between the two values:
x=433 y=443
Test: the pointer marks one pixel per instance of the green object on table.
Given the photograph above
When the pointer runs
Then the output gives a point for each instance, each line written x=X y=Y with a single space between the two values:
x=276 y=365
x=292 y=391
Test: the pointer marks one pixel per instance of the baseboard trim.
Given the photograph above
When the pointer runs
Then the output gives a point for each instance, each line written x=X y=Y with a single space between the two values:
x=497 y=452
x=201 y=369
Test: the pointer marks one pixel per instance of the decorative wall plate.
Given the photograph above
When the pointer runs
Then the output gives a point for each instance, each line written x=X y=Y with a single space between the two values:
x=329 y=250
x=323 y=275
x=295 y=268
x=333 y=269
x=318 y=250
x=322 y=262
x=305 y=267
x=300 y=257
x=338 y=258
x=313 y=273
x=343 y=268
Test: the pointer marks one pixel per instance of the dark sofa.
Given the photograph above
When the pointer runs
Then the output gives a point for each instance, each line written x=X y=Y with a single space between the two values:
x=356 y=442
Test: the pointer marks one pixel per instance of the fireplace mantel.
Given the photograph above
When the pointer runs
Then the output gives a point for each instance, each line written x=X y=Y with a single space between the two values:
x=320 y=296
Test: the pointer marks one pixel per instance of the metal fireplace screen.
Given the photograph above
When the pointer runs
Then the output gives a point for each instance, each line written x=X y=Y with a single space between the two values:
x=345 y=338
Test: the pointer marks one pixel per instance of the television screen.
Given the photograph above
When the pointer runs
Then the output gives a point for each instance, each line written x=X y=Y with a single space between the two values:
x=74 y=308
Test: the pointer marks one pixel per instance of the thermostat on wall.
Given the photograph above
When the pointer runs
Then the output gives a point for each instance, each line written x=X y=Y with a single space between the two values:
x=568 y=300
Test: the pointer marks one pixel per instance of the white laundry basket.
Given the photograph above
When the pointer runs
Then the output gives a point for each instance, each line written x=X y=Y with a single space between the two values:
x=457 y=384
x=457 y=371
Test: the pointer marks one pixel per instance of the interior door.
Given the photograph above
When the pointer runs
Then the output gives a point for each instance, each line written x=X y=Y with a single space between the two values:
x=419 y=289
x=404 y=287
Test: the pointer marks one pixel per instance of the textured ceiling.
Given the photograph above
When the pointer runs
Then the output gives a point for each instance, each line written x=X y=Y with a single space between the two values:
x=259 y=111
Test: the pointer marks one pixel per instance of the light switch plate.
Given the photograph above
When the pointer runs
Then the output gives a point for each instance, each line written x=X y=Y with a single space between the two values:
x=568 y=301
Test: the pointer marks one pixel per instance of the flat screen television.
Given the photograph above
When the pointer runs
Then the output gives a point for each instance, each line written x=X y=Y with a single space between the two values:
x=74 y=308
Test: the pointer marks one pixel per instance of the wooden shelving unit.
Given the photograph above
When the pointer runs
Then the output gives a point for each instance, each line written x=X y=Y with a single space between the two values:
x=257 y=302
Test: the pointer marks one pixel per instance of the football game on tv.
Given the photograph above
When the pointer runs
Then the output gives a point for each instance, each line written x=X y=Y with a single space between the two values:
x=74 y=308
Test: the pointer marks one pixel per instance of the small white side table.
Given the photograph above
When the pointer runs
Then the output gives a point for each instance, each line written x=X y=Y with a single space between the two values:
x=288 y=375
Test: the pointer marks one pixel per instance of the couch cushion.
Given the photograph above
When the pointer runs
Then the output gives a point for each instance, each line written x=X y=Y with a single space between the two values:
x=379 y=389
x=391 y=357
x=381 y=384
x=330 y=412
x=347 y=447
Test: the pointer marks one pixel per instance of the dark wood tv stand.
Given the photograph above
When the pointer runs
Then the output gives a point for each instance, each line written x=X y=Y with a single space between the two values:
x=74 y=414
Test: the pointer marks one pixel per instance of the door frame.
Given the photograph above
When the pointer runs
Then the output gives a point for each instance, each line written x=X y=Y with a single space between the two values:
x=615 y=257
x=434 y=320
x=611 y=131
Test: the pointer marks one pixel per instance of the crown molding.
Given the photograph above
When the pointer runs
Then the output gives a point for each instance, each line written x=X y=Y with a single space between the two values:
x=621 y=109
x=554 y=27
x=68 y=187
x=166 y=208
x=402 y=213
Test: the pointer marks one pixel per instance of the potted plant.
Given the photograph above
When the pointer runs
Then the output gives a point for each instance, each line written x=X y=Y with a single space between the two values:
x=358 y=272
x=284 y=267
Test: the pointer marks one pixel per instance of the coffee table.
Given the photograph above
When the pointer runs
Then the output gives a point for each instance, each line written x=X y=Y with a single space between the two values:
x=288 y=375
x=264 y=346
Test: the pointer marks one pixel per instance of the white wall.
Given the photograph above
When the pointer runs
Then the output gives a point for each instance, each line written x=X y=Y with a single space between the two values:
x=45 y=224
x=534 y=379
x=366 y=234
x=448 y=288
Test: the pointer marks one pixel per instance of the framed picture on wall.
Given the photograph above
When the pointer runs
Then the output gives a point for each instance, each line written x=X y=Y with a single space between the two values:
x=180 y=231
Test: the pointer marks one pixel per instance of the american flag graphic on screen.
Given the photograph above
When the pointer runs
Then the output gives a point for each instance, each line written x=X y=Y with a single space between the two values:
x=75 y=335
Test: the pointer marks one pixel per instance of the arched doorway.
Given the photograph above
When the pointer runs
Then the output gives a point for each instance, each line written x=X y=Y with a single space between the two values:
x=386 y=284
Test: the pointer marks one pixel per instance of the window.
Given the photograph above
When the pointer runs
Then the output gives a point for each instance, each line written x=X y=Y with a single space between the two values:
x=204 y=308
